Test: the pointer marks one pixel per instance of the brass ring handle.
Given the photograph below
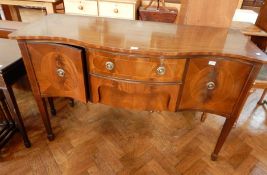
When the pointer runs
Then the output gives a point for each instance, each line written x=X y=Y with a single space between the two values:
x=80 y=7
x=109 y=65
x=161 y=70
x=116 y=10
x=211 y=85
x=60 y=72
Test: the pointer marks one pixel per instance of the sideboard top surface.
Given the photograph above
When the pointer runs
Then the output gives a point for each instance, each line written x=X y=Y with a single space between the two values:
x=139 y=37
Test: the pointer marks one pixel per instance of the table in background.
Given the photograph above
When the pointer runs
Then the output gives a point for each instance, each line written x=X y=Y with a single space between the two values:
x=11 y=11
x=11 y=69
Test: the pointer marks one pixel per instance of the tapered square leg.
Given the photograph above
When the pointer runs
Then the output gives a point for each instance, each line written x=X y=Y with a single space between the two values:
x=228 y=125
x=260 y=102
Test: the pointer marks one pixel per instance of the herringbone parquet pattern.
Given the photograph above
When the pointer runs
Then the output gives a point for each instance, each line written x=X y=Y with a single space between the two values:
x=97 y=139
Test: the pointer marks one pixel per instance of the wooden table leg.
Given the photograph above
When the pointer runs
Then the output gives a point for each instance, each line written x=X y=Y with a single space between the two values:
x=50 y=8
x=260 y=102
x=13 y=106
x=45 y=117
x=8 y=127
x=228 y=125
x=203 y=117
x=44 y=114
x=11 y=12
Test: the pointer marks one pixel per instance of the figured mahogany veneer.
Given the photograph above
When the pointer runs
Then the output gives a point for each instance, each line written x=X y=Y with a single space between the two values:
x=227 y=88
x=48 y=59
x=136 y=68
x=133 y=95
x=140 y=65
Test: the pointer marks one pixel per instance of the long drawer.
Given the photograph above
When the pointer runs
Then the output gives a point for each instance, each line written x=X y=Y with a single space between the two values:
x=136 y=68
x=132 y=95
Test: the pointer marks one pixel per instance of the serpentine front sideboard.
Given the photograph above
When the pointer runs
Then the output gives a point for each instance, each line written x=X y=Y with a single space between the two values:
x=140 y=65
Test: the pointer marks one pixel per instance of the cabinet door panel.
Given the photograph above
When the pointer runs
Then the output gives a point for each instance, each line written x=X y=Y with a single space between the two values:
x=214 y=85
x=59 y=70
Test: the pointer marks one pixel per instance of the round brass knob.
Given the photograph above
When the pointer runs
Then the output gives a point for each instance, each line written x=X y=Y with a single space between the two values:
x=211 y=85
x=109 y=65
x=60 y=72
x=161 y=70
x=80 y=7
x=116 y=10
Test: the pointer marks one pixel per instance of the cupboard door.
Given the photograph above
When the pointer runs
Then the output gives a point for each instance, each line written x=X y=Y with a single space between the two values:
x=59 y=70
x=214 y=85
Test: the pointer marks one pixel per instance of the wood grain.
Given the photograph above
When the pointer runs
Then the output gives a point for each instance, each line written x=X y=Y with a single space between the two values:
x=116 y=141
x=217 y=13
x=131 y=95
x=262 y=18
x=227 y=86
x=47 y=59
x=11 y=12
x=35 y=89
x=221 y=65
x=136 y=68
x=137 y=37
x=261 y=22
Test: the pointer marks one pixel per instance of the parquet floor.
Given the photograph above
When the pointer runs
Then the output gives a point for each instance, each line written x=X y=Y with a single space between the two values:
x=97 y=139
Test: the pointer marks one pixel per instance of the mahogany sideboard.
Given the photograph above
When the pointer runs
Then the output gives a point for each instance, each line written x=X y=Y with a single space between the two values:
x=140 y=65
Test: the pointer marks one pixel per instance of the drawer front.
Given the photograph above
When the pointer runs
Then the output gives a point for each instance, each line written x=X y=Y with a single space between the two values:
x=136 y=68
x=133 y=95
x=116 y=10
x=58 y=70
x=81 y=7
x=214 y=84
